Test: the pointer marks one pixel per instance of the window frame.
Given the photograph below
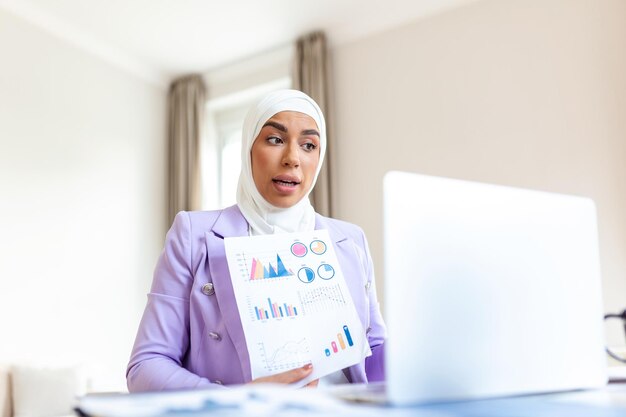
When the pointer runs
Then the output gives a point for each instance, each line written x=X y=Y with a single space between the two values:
x=232 y=90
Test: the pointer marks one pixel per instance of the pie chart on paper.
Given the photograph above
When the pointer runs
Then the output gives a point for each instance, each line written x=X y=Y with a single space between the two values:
x=318 y=247
x=326 y=271
x=306 y=275
x=299 y=249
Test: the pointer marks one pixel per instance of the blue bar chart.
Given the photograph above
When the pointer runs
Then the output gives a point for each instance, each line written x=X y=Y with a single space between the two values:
x=273 y=310
x=342 y=342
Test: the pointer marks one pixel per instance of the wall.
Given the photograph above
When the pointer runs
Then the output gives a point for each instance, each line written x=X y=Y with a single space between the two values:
x=523 y=93
x=82 y=206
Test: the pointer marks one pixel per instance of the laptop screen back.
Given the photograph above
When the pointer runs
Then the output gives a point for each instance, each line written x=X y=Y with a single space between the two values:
x=489 y=291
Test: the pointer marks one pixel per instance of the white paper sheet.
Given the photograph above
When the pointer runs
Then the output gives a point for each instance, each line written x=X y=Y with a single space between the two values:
x=294 y=303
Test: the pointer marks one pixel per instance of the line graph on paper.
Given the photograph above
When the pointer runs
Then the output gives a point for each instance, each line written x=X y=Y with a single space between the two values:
x=289 y=355
x=321 y=299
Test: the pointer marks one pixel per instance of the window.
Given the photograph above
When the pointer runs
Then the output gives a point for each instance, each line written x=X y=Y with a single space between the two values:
x=234 y=90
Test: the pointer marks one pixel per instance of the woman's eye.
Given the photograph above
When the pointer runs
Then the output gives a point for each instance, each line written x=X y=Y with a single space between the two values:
x=274 y=140
x=309 y=146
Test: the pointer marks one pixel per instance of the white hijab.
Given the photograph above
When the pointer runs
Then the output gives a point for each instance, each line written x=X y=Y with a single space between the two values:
x=263 y=217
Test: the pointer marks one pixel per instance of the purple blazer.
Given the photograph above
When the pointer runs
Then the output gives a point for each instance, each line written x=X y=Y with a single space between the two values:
x=191 y=335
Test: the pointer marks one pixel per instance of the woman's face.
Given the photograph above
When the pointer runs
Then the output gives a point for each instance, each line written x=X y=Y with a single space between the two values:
x=285 y=157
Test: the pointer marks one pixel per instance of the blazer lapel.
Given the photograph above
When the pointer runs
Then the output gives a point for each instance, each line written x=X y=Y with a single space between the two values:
x=230 y=223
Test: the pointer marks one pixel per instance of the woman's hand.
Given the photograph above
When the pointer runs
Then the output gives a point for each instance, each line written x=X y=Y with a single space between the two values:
x=312 y=384
x=289 y=377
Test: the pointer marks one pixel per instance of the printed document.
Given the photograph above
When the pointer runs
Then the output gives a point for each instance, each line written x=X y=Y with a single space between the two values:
x=294 y=303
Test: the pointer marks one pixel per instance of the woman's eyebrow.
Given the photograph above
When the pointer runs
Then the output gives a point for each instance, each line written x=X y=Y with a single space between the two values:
x=276 y=125
x=283 y=128
x=308 y=132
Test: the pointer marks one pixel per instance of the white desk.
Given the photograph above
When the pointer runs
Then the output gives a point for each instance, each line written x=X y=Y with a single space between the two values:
x=279 y=401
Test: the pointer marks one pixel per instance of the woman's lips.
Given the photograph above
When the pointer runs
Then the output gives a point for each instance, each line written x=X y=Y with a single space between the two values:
x=285 y=184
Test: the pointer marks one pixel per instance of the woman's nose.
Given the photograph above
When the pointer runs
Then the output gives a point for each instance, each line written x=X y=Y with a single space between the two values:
x=291 y=156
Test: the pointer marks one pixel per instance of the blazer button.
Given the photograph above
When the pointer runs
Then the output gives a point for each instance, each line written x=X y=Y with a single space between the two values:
x=215 y=336
x=368 y=285
x=208 y=289
x=369 y=329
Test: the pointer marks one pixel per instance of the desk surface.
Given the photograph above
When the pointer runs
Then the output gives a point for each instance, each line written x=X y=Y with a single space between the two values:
x=280 y=401
x=601 y=403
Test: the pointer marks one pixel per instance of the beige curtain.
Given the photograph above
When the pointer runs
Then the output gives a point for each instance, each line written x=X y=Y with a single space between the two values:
x=186 y=107
x=310 y=75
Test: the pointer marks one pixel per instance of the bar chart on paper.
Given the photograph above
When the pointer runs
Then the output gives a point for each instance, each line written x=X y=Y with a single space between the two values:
x=272 y=310
x=342 y=341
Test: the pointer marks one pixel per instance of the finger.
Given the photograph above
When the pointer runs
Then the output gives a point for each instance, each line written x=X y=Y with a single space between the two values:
x=312 y=384
x=288 y=377
x=293 y=375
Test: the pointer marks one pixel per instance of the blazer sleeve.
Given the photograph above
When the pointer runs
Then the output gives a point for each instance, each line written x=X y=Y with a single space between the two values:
x=377 y=332
x=163 y=336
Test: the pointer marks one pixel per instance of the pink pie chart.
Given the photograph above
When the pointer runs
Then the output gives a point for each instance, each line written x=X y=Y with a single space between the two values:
x=299 y=249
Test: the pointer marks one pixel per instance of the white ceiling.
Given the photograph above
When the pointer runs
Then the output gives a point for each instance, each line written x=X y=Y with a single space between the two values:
x=159 y=39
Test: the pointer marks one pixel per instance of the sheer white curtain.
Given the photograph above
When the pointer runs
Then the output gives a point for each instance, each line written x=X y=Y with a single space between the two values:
x=310 y=75
x=186 y=112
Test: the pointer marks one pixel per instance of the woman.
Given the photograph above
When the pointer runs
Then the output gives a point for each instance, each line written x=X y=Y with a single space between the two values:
x=191 y=335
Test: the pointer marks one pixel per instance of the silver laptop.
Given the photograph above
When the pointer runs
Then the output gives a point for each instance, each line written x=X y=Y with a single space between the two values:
x=489 y=291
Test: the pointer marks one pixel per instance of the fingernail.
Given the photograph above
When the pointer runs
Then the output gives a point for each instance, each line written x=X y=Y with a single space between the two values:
x=308 y=366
